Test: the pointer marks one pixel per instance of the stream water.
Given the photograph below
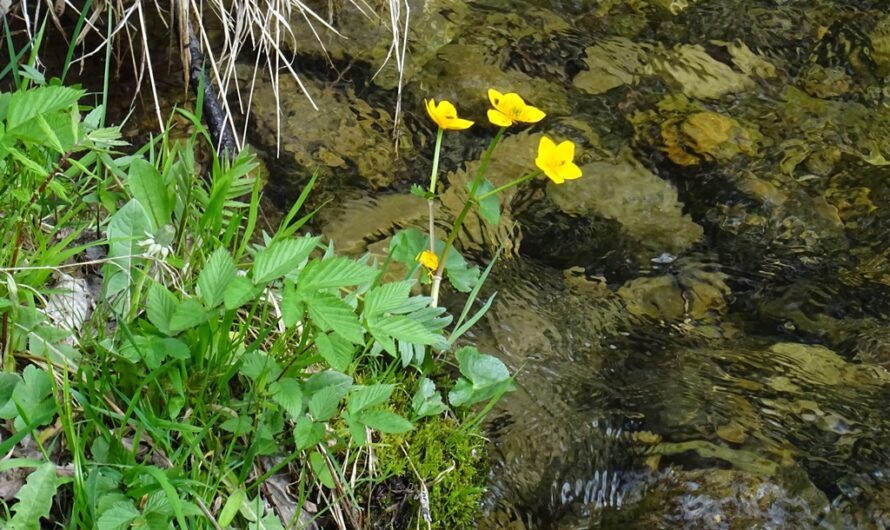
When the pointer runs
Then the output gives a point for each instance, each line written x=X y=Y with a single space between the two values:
x=699 y=324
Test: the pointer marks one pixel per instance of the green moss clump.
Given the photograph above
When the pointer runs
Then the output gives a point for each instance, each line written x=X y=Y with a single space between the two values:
x=451 y=462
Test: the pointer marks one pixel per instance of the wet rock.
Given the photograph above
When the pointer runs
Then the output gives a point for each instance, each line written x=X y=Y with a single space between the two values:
x=346 y=135
x=644 y=205
x=747 y=61
x=823 y=82
x=708 y=135
x=358 y=223
x=698 y=75
x=612 y=63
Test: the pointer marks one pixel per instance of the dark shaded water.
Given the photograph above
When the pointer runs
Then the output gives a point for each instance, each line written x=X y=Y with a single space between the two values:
x=700 y=323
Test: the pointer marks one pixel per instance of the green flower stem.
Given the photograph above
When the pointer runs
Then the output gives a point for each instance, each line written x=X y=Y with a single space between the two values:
x=483 y=166
x=508 y=185
x=431 y=202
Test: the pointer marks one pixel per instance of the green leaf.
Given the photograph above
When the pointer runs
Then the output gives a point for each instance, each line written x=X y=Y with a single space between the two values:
x=239 y=291
x=387 y=297
x=363 y=397
x=160 y=307
x=325 y=403
x=127 y=227
x=308 y=433
x=403 y=328
x=292 y=306
x=330 y=313
x=148 y=187
x=118 y=517
x=288 y=394
x=26 y=105
x=337 y=351
x=489 y=207
x=188 y=314
x=333 y=272
x=320 y=468
x=427 y=401
x=484 y=376
x=255 y=364
x=385 y=421
x=281 y=257
x=459 y=273
x=35 y=498
x=231 y=507
x=218 y=272
x=407 y=244
x=326 y=379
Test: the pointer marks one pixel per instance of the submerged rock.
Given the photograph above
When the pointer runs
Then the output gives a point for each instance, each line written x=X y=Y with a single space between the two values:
x=646 y=207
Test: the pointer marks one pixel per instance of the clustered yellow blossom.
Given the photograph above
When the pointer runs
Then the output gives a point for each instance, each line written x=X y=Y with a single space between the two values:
x=556 y=161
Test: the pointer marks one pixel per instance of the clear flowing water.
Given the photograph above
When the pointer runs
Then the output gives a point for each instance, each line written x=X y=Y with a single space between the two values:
x=699 y=324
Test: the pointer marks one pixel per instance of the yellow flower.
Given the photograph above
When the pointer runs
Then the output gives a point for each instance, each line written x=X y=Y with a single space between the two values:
x=556 y=160
x=510 y=108
x=445 y=115
x=429 y=260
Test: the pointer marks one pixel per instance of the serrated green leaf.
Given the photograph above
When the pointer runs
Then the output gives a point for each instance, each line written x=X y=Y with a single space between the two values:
x=363 y=397
x=407 y=244
x=337 y=351
x=118 y=517
x=459 y=273
x=160 y=307
x=403 y=328
x=218 y=273
x=308 y=433
x=238 y=292
x=325 y=379
x=387 y=297
x=231 y=507
x=333 y=273
x=255 y=364
x=330 y=313
x=127 y=227
x=325 y=403
x=384 y=421
x=288 y=394
x=25 y=105
x=35 y=498
x=188 y=314
x=292 y=306
x=281 y=257
x=147 y=185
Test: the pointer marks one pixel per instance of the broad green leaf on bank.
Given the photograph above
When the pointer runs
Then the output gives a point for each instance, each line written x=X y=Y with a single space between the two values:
x=326 y=379
x=387 y=297
x=484 y=376
x=330 y=313
x=362 y=397
x=288 y=394
x=427 y=401
x=188 y=314
x=325 y=403
x=489 y=207
x=231 y=507
x=160 y=307
x=384 y=421
x=337 y=351
x=35 y=498
x=118 y=516
x=332 y=273
x=403 y=328
x=408 y=243
x=127 y=227
x=254 y=364
x=218 y=273
x=308 y=433
x=281 y=257
x=147 y=185
x=239 y=291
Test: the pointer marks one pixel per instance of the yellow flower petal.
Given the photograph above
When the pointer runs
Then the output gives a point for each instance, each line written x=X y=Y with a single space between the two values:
x=569 y=171
x=459 y=124
x=494 y=97
x=546 y=147
x=565 y=150
x=445 y=115
x=498 y=118
x=531 y=114
x=512 y=105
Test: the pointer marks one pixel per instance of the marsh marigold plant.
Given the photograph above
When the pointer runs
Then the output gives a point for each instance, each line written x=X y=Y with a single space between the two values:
x=557 y=161
x=510 y=108
x=445 y=115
